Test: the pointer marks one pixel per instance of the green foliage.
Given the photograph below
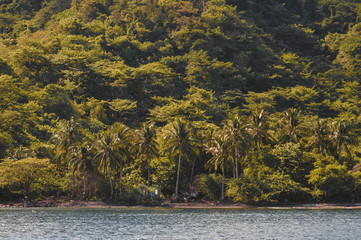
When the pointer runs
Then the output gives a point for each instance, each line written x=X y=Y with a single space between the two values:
x=198 y=105
x=65 y=138
x=164 y=174
x=5 y=143
x=333 y=181
x=146 y=145
x=21 y=7
x=30 y=177
x=347 y=48
x=257 y=128
x=204 y=72
x=293 y=162
x=263 y=85
x=265 y=180
x=55 y=100
x=180 y=144
x=266 y=186
x=209 y=186
x=4 y=67
x=31 y=62
x=337 y=15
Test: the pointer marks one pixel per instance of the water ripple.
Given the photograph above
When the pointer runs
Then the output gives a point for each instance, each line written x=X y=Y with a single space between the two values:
x=179 y=224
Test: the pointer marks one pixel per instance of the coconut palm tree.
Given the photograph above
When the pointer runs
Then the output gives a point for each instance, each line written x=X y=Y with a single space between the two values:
x=339 y=137
x=220 y=148
x=239 y=139
x=146 y=145
x=106 y=157
x=320 y=137
x=20 y=153
x=199 y=148
x=180 y=143
x=257 y=128
x=122 y=140
x=291 y=123
x=81 y=161
x=66 y=137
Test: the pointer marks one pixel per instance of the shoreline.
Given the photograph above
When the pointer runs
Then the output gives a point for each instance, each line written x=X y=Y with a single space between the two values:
x=173 y=205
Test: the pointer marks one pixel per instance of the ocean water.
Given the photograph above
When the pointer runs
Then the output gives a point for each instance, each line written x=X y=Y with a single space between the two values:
x=42 y=223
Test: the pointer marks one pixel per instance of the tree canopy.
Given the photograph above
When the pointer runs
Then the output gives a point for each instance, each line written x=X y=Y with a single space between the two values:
x=100 y=92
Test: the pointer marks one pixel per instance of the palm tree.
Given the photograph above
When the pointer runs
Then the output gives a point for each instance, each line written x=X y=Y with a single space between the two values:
x=198 y=147
x=239 y=138
x=257 y=128
x=65 y=138
x=81 y=161
x=291 y=123
x=180 y=143
x=220 y=147
x=20 y=153
x=122 y=140
x=146 y=145
x=320 y=138
x=339 y=137
x=106 y=156
x=121 y=134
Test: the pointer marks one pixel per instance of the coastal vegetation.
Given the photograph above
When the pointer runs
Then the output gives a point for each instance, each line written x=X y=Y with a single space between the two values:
x=246 y=101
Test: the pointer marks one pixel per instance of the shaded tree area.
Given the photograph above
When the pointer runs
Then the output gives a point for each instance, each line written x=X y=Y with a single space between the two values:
x=246 y=101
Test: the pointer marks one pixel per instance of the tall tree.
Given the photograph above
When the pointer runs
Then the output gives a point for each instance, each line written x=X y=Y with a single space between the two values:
x=81 y=161
x=146 y=145
x=340 y=137
x=320 y=137
x=106 y=156
x=291 y=123
x=234 y=128
x=220 y=147
x=122 y=145
x=257 y=128
x=180 y=143
x=66 y=137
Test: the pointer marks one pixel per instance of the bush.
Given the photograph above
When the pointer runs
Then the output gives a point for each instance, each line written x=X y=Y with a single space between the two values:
x=29 y=177
x=266 y=186
x=136 y=194
x=209 y=186
x=332 y=182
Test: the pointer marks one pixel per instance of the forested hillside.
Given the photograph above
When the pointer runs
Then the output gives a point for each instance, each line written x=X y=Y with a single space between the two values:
x=245 y=100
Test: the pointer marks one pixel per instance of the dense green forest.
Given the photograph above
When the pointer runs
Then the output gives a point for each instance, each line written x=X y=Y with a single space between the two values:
x=242 y=100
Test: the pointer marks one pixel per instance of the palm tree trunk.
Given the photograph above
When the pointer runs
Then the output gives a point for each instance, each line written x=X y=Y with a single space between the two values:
x=111 y=183
x=148 y=167
x=73 y=185
x=192 y=172
x=178 y=171
x=222 y=183
x=120 y=180
x=236 y=155
x=234 y=166
x=339 y=153
x=84 y=186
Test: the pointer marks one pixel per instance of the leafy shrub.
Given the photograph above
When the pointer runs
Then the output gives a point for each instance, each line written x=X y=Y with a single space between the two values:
x=209 y=186
x=266 y=186
x=29 y=177
x=332 y=182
